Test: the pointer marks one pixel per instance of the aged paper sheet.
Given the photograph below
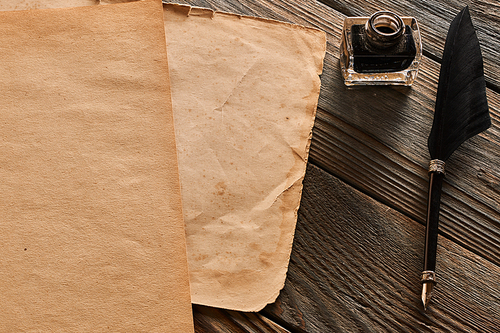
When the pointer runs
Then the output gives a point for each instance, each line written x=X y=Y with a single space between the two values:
x=91 y=228
x=244 y=94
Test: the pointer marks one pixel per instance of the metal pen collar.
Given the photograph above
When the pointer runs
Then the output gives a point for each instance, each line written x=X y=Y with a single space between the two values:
x=437 y=166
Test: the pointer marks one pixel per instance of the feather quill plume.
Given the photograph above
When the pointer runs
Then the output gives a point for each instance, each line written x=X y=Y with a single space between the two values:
x=461 y=112
x=461 y=106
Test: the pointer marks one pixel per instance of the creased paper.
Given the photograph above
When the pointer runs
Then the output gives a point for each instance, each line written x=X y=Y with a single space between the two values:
x=91 y=227
x=244 y=94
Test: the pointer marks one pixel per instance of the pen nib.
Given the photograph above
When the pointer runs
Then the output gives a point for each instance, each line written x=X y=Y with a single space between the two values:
x=426 y=293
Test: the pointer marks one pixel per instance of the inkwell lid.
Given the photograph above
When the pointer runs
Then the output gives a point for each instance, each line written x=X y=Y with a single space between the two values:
x=384 y=29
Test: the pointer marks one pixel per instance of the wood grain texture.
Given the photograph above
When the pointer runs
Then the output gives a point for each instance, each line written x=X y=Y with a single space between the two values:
x=356 y=264
x=375 y=138
x=434 y=18
x=210 y=320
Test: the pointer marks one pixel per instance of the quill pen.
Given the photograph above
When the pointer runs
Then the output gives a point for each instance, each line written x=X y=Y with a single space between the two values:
x=461 y=112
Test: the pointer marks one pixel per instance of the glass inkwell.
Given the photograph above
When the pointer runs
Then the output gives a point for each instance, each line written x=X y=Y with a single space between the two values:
x=383 y=49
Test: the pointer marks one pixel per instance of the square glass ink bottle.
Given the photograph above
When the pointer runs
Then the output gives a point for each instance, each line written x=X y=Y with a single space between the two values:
x=383 y=49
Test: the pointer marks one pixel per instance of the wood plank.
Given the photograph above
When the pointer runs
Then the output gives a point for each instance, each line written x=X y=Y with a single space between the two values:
x=210 y=320
x=355 y=267
x=375 y=138
x=380 y=146
x=434 y=18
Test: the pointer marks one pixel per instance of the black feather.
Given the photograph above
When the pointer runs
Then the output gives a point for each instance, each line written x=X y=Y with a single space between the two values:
x=461 y=106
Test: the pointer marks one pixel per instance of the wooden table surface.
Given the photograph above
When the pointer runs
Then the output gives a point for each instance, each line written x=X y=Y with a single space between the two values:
x=358 y=248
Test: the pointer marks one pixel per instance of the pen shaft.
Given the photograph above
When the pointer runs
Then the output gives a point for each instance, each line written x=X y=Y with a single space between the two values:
x=431 y=229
